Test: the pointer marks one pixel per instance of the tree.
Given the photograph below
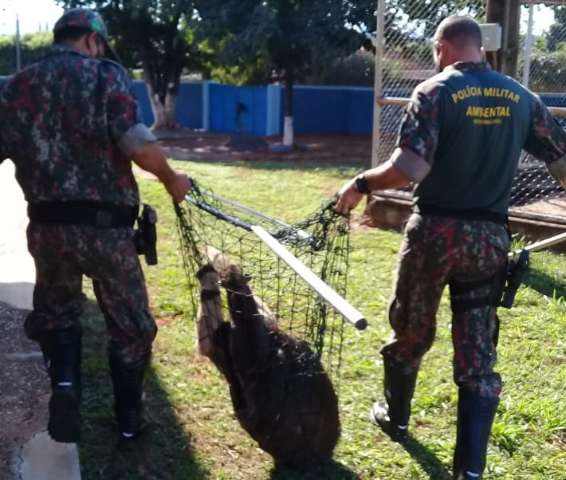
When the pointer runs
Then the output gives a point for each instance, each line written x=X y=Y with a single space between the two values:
x=155 y=35
x=557 y=32
x=549 y=70
x=286 y=35
x=431 y=13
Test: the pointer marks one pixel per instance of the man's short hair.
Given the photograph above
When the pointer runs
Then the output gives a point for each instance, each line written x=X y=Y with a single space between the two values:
x=70 y=34
x=460 y=32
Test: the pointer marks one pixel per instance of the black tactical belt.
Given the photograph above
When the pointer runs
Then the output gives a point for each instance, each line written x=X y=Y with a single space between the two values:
x=472 y=214
x=95 y=214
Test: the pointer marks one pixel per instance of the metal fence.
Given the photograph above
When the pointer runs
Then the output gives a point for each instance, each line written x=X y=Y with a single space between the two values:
x=404 y=59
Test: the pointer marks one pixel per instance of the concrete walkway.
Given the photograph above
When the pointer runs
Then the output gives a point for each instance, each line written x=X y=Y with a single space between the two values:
x=41 y=457
x=17 y=273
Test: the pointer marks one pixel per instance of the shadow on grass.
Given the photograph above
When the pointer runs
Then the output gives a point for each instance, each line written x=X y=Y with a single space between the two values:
x=427 y=459
x=329 y=471
x=164 y=451
x=284 y=164
x=545 y=284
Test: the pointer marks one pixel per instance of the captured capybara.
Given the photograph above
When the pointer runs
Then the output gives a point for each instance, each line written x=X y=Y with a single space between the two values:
x=281 y=395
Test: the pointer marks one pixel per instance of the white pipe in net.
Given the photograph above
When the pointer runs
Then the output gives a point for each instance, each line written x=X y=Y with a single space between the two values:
x=350 y=313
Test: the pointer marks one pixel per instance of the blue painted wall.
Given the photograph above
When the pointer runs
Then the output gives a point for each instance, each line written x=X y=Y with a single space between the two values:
x=553 y=100
x=360 y=111
x=189 y=105
x=318 y=110
x=338 y=110
x=142 y=94
x=224 y=103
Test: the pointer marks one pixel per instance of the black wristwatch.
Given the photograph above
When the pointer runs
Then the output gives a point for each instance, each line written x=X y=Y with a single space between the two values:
x=361 y=184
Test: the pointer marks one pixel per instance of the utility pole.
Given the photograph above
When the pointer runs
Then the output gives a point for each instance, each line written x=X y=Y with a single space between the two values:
x=18 y=46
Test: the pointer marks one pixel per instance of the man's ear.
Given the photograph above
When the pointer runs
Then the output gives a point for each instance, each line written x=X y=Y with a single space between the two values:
x=92 y=41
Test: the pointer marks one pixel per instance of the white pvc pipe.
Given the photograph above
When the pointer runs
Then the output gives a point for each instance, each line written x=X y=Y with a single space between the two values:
x=350 y=313
x=549 y=242
x=300 y=233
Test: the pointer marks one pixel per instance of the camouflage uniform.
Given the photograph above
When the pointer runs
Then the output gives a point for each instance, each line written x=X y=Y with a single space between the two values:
x=435 y=252
x=68 y=123
x=458 y=239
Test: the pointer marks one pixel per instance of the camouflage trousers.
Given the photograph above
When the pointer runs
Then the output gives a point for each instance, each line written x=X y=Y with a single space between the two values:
x=62 y=255
x=439 y=251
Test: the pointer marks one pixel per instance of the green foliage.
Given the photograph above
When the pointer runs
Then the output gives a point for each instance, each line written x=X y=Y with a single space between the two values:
x=289 y=37
x=253 y=72
x=411 y=25
x=430 y=13
x=33 y=47
x=549 y=70
x=557 y=31
x=541 y=44
x=357 y=70
x=157 y=36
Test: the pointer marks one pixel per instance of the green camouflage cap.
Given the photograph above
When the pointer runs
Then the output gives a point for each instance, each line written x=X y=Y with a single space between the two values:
x=85 y=18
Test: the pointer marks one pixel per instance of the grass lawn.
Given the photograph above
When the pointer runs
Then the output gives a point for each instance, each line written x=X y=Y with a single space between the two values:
x=195 y=434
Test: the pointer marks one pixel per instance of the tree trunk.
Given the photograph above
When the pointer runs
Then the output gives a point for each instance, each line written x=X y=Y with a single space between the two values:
x=171 y=110
x=162 y=95
x=288 y=130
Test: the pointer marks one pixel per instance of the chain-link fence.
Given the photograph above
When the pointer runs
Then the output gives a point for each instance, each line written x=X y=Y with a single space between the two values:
x=542 y=67
x=407 y=60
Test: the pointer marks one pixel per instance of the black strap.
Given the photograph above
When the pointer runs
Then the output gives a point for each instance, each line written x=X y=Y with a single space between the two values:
x=96 y=214
x=463 y=305
x=471 y=214
x=460 y=305
x=459 y=288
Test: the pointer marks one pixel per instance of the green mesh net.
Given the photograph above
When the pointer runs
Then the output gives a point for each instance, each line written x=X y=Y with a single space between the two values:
x=321 y=242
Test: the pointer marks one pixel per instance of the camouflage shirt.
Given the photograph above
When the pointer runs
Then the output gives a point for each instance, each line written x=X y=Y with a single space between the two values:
x=69 y=122
x=467 y=127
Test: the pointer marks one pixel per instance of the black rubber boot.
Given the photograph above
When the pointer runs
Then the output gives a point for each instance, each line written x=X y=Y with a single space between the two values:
x=127 y=380
x=62 y=353
x=475 y=417
x=392 y=416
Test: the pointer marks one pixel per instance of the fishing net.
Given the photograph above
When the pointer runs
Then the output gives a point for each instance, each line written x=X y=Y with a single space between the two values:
x=321 y=242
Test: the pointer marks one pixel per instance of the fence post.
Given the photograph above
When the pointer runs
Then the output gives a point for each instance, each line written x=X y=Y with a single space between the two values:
x=528 y=47
x=378 y=81
x=273 y=110
x=206 y=105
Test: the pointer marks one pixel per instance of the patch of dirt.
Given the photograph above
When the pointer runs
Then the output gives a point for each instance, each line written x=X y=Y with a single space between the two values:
x=24 y=389
x=323 y=149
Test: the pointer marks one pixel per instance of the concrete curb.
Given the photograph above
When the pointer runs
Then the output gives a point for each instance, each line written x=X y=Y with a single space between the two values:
x=43 y=459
